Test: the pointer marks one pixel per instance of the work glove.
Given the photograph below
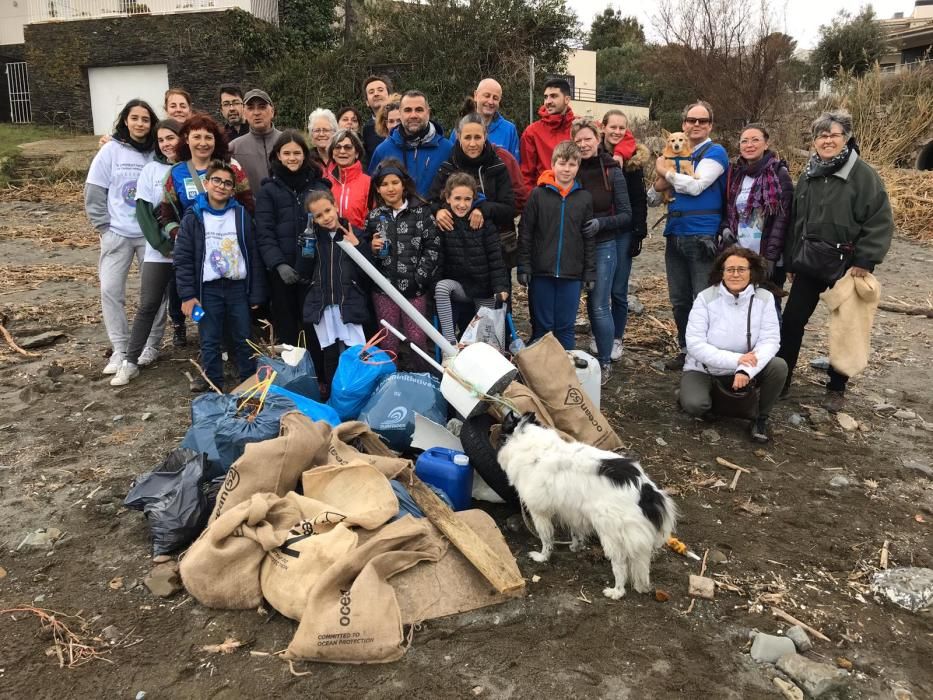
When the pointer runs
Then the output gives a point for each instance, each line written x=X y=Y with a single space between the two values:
x=769 y=269
x=589 y=285
x=634 y=249
x=287 y=273
x=591 y=227
x=522 y=278
x=726 y=238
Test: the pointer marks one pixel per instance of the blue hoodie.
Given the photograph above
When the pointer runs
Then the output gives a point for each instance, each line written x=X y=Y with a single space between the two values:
x=422 y=162
x=503 y=133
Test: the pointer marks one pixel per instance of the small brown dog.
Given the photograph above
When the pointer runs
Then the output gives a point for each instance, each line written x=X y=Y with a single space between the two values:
x=677 y=151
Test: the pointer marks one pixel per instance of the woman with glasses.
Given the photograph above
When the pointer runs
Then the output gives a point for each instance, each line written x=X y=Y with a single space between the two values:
x=349 y=182
x=322 y=125
x=733 y=337
x=281 y=221
x=842 y=225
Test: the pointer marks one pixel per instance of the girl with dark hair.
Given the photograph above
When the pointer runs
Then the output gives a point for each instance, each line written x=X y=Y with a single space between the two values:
x=350 y=183
x=733 y=336
x=281 y=222
x=406 y=245
x=110 y=204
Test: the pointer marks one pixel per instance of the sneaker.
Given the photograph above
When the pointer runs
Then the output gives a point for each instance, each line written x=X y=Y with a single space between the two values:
x=114 y=363
x=125 y=374
x=616 y=353
x=605 y=371
x=759 y=430
x=180 y=336
x=198 y=385
x=593 y=350
x=148 y=356
x=834 y=401
x=677 y=362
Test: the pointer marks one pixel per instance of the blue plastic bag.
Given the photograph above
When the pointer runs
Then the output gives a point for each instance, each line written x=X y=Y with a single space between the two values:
x=235 y=429
x=359 y=370
x=407 y=505
x=206 y=410
x=390 y=411
x=300 y=379
x=312 y=409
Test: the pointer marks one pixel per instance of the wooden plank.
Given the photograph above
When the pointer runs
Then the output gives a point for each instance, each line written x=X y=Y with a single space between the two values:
x=731 y=465
x=502 y=576
x=777 y=612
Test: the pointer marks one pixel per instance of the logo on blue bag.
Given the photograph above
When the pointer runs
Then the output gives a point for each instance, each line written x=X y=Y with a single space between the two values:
x=397 y=415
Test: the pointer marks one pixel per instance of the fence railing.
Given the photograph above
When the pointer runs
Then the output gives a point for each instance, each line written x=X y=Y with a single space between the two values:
x=67 y=10
x=608 y=97
x=17 y=80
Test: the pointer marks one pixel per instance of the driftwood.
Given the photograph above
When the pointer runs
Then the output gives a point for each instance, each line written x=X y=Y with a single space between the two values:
x=906 y=309
x=7 y=336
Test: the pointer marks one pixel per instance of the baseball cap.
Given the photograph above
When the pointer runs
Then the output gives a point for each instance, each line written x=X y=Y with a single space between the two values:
x=257 y=94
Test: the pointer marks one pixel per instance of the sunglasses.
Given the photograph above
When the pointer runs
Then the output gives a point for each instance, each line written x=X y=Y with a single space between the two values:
x=344 y=147
x=702 y=121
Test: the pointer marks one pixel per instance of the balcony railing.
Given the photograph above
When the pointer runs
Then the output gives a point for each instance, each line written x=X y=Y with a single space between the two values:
x=583 y=94
x=69 y=10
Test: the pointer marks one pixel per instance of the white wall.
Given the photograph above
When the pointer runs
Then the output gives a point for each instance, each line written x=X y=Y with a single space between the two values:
x=596 y=110
x=12 y=18
x=114 y=86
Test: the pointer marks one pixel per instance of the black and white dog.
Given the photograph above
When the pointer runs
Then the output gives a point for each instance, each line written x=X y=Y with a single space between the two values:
x=588 y=490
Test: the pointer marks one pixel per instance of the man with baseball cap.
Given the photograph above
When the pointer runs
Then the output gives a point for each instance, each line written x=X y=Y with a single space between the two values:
x=252 y=150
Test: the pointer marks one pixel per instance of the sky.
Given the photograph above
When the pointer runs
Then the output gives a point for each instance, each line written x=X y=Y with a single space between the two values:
x=800 y=18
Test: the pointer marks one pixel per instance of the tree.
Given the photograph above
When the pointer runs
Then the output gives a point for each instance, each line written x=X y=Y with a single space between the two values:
x=307 y=23
x=849 y=43
x=612 y=29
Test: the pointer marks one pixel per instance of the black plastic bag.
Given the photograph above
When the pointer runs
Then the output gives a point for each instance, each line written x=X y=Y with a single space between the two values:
x=206 y=410
x=391 y=409
x=236 y=429
x=171 y=498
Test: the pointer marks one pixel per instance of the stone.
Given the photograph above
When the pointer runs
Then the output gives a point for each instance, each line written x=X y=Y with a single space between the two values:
x=717 y=557
x=54 y=370
x=800 y=638
x=2 y=572
x=788 y=690
x=904 y=414
x=820 y=363
x=839 y=481
x=146 y=416
x=767 y=648
x=816 y=679
x=710 y=435
x=884 y=407
x=701 y=587
x=43 y=538
x=818 y=416
x=117 y=419
x=910 y=587
x=635 y=306
x=515 y=523
x=661 y=441
x=796 y=419
x=110 y=634
x=161 y=558
x=846 y=422
x=40 y=341
x=922 y=467
x=163 y=580
x=39 y=598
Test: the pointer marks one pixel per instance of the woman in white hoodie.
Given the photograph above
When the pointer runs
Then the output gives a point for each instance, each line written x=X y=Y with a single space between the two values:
x=733 y=336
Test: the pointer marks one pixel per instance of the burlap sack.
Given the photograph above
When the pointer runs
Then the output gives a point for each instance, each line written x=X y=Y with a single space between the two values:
x=273 y=466
x=221 y=568
x=524 y=400
x=548 y=371
x=290 y=571
x=353 y=494
x=354 y=441
x=352 y=615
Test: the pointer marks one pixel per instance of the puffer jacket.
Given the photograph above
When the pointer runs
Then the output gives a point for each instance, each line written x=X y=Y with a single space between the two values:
x=775 y=222
x=717 y=330
x=335 y=278
x=421 y=162
x=415 y=257
x=351 y=190
x=281 y=216
x=498 y=201
x=602 y=177
x=473 y=257
x=634 y=171
x=550 y=239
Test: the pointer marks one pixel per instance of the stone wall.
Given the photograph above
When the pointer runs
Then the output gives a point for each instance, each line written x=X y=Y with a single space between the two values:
x=201 y=50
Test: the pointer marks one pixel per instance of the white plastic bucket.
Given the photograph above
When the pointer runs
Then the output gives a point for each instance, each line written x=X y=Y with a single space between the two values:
x=481 y=366
x=589 y=375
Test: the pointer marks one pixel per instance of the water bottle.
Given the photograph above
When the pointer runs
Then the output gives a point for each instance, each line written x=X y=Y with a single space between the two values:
x=308 y=243
x=197 y=313
x=385 y=248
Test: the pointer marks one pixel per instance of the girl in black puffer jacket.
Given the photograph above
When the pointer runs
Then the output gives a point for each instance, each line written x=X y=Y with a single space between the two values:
x=473 y=267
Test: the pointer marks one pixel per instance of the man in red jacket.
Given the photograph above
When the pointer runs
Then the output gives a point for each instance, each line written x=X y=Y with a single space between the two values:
x=538 y=140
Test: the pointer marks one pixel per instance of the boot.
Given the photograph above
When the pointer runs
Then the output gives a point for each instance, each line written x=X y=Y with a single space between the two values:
x=180 y=335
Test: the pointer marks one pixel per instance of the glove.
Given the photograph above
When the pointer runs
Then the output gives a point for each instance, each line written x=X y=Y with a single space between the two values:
x=522 y=278
x=591 y=227
x=634 y=249
x=287 y=273
x=589 y=285
x=726 y=238
x=769 y=269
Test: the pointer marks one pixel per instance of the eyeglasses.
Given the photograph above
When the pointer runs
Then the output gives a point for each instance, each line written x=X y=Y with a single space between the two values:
x=344 y=147
x=750 y=142
x=735 y=270
x=702 y=121
x=220 y=182
x=830 y=136
x=319 y=132
x=231 y=103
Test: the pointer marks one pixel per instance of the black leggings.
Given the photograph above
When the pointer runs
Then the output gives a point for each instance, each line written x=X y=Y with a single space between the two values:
x=152 y=289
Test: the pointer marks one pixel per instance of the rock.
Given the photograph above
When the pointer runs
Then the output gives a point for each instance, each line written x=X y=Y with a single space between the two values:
x=110 y=634
x=117 y=419
x=146 y=416
x=904 y=414
x=796 y=419
x=657 y=364
x=820 y=363
x=163 y=580
x=477 y=690
x=43 y=538
x=815 y=678
x=800 y=638
x=922 y=467
x=846 y=422
x=161 y=558
x=717 y=557
x=844 y=663
x=39 y=598
x=41 y=340
x=54 y=370
x=884 y=407
x=515 y=523
x=661 y=441
x=818 y=416
x=910 y=587
x=2 y=572
x=141 y=695
x=635 y=306
x=766 y=648
x=788 y=690
x=710 y=435
x=701 y=587
x=839 y=481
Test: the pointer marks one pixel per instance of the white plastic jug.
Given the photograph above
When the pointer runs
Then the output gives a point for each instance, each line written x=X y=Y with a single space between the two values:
x=588 y=373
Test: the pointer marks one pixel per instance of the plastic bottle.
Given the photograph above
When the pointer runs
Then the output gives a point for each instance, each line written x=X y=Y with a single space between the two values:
x=448 y=470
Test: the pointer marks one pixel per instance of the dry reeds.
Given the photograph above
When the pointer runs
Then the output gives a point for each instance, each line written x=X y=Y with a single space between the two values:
x=63 y=191
x=23 y=277
x=68 y=647
x=911 y=195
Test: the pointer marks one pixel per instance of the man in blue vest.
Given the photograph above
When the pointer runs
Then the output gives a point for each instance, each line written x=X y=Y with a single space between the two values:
x=693 y=217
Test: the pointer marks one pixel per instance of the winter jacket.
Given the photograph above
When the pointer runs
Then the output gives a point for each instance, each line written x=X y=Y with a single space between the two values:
x=421 y=162
x=501 y=132
x=351 y=190
x=371 y=139
x=519 y=186
x=235 y=132
x=602 y=177
x=498 y=201
x=473 y=257
x=252 y=151
x=538 y=141
x=849 y=206
x=414 y=260
x=852 y=303
x=717 y=330
x=281 y=217
x=550 y=238
x=700 y=215
x=189 y=251
x=180 y=195
x=634 y=173
x=335 y=278
x=776 y=222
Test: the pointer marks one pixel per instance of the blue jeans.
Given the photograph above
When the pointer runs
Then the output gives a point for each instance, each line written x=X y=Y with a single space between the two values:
x=554 y=303
x=688 y=260
x=607 y=304
x=225 y=303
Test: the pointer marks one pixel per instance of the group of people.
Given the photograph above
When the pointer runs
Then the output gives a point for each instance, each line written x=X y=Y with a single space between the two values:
x=235 y=220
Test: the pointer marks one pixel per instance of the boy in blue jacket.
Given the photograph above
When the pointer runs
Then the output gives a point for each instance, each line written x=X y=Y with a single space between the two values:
x=218 y=267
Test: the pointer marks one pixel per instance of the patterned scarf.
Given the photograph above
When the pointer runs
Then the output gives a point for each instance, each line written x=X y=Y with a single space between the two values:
x=766 y=189
x=817 y=167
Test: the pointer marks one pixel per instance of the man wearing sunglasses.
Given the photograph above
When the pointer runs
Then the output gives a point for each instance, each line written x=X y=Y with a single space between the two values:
x=693 y=217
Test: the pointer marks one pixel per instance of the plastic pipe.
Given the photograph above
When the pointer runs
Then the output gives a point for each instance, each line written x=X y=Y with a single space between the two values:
x=396 y=296
x=424 y=356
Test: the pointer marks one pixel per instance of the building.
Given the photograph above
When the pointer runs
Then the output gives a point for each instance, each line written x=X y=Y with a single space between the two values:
x=591 y=102
x=910 y=38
